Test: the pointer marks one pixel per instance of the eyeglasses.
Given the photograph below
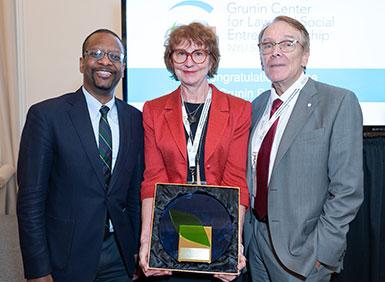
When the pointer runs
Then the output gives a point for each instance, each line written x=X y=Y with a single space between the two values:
x=179 y=56
x=285 y=46
x=98 y=54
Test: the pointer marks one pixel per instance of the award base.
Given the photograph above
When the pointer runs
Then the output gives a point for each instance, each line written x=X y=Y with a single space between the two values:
x=194 y=243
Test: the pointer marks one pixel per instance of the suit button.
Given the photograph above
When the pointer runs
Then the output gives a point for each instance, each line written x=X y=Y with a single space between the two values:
x=208 y=166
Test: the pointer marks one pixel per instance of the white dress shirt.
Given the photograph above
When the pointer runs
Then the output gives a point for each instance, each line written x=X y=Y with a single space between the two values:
x=94 y=106
x=283 y=119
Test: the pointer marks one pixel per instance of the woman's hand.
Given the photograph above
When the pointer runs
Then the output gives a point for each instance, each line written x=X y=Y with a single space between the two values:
x=241 y=265
x=143 y=262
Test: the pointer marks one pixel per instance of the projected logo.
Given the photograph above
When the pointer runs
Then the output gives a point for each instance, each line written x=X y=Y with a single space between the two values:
x=199 y=4
x=181 y=13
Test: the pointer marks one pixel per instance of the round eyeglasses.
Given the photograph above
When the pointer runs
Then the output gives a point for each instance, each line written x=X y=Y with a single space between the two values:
x=179 y=56
x=98 y=54
x=285 y=46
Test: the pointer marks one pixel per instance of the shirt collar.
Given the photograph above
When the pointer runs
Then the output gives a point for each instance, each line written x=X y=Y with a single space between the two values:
x=94 y=105
x=285 y=95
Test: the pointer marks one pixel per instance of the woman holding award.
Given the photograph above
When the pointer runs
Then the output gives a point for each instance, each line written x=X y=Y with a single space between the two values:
x=196 y=134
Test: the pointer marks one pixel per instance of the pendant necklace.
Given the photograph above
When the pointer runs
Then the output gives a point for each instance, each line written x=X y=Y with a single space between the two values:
x=192 y=116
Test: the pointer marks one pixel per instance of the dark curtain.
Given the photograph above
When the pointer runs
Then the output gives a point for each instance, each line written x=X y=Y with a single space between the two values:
x=365 y=255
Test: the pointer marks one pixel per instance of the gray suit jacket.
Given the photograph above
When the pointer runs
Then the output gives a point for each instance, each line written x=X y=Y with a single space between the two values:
x=316 y=185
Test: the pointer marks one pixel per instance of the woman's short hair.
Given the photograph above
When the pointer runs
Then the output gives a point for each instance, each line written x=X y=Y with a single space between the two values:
x=197 y=33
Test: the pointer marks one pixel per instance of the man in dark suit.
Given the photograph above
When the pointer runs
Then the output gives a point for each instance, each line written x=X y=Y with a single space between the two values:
x=305 y=170
x=79 y=173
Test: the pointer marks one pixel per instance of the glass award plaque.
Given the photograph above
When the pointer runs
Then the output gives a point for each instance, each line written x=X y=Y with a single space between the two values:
x=195 y=228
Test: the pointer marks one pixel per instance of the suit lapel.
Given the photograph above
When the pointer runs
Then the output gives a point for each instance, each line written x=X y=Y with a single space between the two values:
x=124 y=141
x=303 y=108
x=258 y=108
x=82 y=123
x=174 y=121
x=217 y=121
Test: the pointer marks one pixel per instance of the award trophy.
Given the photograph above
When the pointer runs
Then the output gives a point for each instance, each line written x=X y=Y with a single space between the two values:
x=195 y=228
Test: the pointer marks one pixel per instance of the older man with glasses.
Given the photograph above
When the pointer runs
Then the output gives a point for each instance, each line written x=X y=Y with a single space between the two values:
x=305 y=172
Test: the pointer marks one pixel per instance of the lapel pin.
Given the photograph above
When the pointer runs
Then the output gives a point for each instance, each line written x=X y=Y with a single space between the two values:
x=309 y=105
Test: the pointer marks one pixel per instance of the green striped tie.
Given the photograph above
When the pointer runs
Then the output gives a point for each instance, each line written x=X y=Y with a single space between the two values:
x=105 y=145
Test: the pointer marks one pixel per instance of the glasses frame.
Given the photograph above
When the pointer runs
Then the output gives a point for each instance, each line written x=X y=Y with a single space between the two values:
x=293 y=42
x=110 y=55
x=188 y=54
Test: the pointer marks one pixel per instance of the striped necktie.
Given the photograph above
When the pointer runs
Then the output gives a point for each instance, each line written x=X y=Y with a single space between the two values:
x=105 y=145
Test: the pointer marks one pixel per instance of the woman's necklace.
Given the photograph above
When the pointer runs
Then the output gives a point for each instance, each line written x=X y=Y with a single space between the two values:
x=192 y=116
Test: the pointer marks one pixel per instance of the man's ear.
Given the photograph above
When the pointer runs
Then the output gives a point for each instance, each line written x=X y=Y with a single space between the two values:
x=123 y=67
x=305 y=59
x=81 y=64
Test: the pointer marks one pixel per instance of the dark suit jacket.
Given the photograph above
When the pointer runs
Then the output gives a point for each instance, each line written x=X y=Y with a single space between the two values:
x=225 y=146
x=62 y=203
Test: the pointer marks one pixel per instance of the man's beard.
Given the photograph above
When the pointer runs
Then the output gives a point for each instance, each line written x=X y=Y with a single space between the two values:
x=105 y=87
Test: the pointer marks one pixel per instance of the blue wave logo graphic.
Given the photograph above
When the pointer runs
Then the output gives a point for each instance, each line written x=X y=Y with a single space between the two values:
x=200 y=4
